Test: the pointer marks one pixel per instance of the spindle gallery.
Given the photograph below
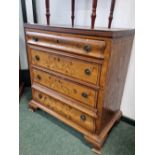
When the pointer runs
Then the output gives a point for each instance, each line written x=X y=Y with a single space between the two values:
x=78 y=74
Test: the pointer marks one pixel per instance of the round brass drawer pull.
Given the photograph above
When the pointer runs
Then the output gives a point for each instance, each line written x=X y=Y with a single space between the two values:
x=38 y=77
x=83 y=117
x=87 y=71
x=87 y=48
x=40 y=96
x=85 y=95
x=35 y=39
x=37 y=57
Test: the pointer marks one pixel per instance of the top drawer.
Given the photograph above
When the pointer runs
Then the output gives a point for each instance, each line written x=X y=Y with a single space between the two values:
x=68 y=43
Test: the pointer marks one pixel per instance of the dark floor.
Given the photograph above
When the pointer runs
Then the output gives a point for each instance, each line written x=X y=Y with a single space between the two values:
x=42 y=134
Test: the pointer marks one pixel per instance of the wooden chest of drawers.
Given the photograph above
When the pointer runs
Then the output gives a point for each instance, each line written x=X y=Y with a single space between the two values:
x=78 y=76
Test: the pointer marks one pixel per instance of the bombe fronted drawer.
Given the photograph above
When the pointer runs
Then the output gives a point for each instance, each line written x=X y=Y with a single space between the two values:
x=68 y=43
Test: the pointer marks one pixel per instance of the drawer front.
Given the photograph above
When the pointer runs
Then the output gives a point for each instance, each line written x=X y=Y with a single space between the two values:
x=68 y=43
x=71 y=67
x=75 y=91
x=76 y=116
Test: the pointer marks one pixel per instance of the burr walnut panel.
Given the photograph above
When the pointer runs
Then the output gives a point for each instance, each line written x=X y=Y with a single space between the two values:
x=70 y=113
x=73 y=90
x=82 y=46
x=71 y=67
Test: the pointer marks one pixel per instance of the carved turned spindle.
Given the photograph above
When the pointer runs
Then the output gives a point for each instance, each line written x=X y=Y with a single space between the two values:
x=73 y=8
x=93 y=16
x=47 y=12
x=111 y=12
x=24 y=12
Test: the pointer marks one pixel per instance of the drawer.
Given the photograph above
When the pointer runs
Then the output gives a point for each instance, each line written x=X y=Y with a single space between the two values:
x=66 y=111
x=74 y=68
x=68 y=43
x=79 y=92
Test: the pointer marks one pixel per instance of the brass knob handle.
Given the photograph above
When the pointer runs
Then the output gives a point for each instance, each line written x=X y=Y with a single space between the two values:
x=87 y=48
x=37 y=57
x=83 y=117
x=85 y=95
x=35 y=39
x=87 y=71
x=38 y=77
x=40 y=96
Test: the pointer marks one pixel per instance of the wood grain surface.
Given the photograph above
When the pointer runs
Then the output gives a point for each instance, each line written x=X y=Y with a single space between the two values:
x=65 y=110
x=65 y=87
x=71 y=67
x=68 y=43
x=78 y=76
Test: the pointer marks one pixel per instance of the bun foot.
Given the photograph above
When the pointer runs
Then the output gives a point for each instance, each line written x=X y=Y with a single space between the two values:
x=97 y=140
x=32 y=107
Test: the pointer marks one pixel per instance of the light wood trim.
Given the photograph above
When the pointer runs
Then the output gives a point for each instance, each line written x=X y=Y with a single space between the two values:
x=102 y=82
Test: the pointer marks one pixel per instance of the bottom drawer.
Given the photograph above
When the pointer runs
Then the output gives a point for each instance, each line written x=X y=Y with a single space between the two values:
x=65 y=110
